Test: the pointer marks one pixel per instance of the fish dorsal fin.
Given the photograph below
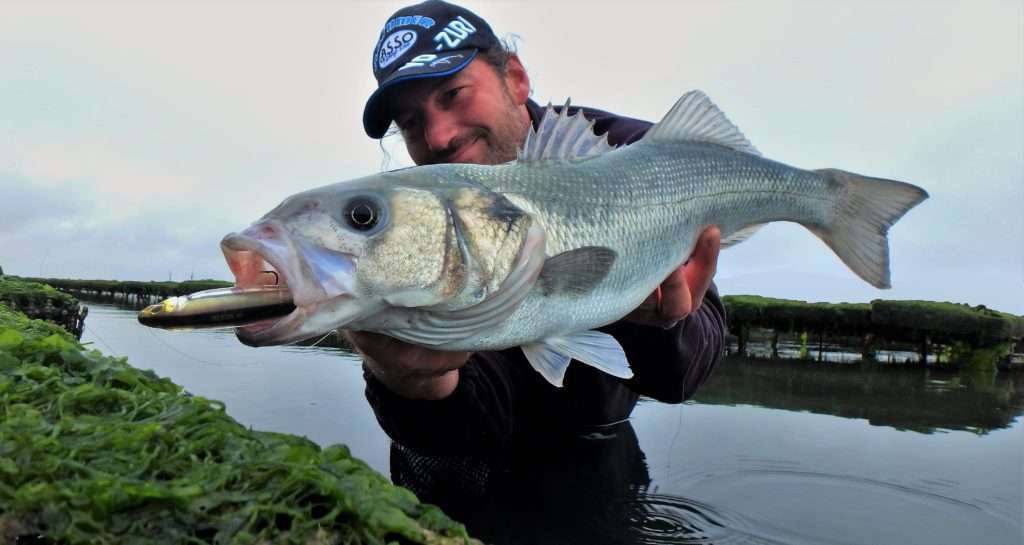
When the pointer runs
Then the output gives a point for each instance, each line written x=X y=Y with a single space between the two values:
x=695 y=118
x=564 y=137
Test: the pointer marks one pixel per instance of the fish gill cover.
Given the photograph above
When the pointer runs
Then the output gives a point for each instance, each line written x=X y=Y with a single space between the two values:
x=93 y=450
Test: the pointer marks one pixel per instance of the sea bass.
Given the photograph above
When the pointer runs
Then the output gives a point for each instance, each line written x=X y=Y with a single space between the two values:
x=539 y=252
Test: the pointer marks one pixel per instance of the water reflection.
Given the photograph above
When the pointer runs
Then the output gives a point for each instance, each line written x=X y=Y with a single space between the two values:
x=558 y=490
x=921 y=400
x=594 y=489
x=730 y=485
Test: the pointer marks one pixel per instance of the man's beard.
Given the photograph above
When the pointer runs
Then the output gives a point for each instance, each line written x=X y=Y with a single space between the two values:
x=501 y=144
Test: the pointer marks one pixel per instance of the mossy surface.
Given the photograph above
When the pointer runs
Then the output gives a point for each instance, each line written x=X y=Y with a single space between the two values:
x=949 y=322
x=912 y=321
x=157 y=289
x=95 y=451
x=791 y=316
x=21 y=294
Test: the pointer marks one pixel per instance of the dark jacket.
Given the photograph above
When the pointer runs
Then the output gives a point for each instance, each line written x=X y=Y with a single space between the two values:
x=501 y=402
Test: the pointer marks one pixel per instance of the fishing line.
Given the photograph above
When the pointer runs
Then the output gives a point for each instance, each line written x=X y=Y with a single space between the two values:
x=672 y=444
x=172 y=347
x=321 y=339
x=100 y=339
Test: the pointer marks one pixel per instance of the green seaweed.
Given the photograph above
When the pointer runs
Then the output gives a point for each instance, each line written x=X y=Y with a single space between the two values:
x=947 y=322
x=20 y=294
x=93 y=450
x=915 y=322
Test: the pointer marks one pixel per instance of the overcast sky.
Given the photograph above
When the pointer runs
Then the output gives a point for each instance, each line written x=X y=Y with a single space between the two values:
x=134 y=135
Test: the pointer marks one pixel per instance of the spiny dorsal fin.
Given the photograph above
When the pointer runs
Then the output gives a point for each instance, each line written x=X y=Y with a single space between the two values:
x=696 y=119
x=563 y=137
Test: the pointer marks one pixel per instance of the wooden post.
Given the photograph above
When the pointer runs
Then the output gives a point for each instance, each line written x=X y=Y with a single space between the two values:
x=867 y=347
x=741 y=341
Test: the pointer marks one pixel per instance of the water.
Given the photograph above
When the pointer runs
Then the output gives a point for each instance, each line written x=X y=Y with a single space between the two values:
x=768 y=453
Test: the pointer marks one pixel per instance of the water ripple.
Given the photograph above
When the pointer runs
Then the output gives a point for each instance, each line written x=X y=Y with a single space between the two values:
x=775 y=505
x=657 y=519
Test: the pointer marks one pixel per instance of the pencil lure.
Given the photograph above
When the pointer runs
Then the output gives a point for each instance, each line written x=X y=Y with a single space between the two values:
x=221 y=307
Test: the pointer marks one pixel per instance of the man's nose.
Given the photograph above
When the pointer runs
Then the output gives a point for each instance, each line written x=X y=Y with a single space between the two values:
x=439 y=130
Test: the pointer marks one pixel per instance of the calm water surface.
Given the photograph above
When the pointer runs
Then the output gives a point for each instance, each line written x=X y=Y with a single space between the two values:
x=768 y=452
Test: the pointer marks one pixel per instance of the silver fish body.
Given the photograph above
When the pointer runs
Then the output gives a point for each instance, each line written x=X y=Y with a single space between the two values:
x=647 y=202
x=539 y=252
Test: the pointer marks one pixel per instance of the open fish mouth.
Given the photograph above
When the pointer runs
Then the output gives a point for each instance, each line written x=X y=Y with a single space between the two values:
x=320 y=282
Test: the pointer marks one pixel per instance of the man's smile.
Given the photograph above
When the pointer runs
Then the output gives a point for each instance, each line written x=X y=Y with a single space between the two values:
x=467 y=152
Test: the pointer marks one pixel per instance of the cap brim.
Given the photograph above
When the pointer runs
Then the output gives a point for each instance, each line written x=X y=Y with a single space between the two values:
x=377 y=118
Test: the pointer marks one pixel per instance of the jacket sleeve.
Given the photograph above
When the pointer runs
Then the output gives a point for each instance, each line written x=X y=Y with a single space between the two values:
x=671 y=364
x=476 y=418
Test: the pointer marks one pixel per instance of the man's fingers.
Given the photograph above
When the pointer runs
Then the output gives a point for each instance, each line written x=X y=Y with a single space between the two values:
x=703 y=263
x=676 y=301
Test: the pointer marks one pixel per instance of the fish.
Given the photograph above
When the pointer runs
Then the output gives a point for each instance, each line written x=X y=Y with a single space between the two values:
x=539 y=252
x=219 y=307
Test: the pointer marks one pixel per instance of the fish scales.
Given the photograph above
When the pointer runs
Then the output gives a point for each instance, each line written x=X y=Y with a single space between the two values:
x=648 y=202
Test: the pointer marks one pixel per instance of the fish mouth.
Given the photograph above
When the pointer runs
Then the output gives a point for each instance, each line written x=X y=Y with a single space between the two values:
x=320 y=281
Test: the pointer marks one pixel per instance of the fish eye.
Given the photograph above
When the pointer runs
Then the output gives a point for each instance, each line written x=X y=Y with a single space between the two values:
x=362 y=214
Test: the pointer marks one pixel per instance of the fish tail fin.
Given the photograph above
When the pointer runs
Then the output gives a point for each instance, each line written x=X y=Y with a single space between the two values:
x=865 y=210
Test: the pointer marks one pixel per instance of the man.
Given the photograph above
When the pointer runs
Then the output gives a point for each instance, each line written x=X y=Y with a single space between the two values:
x=458 y=95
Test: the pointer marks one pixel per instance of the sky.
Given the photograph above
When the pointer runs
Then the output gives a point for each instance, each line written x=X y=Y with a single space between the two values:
x=134 y=135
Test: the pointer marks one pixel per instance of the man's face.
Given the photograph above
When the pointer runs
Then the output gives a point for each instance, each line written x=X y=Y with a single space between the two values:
x=474 y=116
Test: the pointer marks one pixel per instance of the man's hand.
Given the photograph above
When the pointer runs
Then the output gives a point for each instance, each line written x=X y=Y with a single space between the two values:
x=410 y=371
x=683 y=291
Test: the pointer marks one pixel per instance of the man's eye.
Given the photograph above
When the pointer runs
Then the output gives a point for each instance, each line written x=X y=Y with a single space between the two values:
x=450 y=94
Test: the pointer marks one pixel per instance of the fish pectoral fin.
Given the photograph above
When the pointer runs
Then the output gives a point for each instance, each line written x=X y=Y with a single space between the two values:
x=576 y=272
x=695 y=118
x=551 y=356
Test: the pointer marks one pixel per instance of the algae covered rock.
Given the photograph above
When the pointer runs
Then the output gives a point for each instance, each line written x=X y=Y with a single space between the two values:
x=93 y=450
x=950 y=322
x=790 y=315
x=910 y=321
x=22 y=294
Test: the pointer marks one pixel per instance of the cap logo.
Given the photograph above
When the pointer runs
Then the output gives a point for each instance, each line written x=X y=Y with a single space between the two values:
x=419 y=20
x=453 y=33
x=392 y=47
x=431 y=60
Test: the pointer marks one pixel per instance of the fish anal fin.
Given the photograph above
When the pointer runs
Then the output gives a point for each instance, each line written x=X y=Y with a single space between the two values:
x=741 y=235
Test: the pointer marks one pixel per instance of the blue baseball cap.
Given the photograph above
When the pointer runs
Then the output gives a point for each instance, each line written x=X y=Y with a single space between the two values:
x=429 y=40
